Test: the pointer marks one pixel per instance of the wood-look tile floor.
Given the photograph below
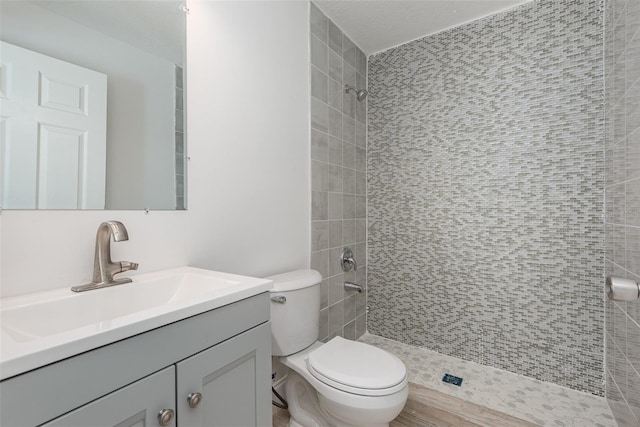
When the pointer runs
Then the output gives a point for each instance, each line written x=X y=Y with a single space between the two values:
x=430 y=408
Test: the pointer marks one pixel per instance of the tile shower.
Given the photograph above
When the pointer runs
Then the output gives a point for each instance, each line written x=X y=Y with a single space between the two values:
x=622 y=204
x=485 y=180
x=485 y=185
x=338 y=181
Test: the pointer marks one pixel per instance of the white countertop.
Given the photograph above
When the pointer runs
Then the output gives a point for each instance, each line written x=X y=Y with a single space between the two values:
x=42 y=328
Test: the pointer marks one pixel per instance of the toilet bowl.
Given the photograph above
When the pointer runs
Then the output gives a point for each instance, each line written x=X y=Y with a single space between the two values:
x=341 y=383
x=351 y=390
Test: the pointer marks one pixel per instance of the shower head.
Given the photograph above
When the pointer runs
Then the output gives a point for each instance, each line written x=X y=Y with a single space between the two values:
x=360 y=94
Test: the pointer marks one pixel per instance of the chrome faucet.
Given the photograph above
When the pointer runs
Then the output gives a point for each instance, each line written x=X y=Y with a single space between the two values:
x=103 y=268
x=348 y=286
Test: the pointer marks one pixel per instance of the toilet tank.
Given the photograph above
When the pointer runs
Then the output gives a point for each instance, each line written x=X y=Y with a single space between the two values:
x=295 y=319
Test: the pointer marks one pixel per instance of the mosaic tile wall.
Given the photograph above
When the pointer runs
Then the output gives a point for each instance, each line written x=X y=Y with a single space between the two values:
x=485 y=192
x=338 y=181
x=622 y=203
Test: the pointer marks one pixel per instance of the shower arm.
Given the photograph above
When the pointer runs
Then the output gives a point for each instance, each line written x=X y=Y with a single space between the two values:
x=360 y=94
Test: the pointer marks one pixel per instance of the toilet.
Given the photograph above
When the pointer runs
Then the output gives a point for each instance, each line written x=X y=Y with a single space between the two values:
x=340 y=383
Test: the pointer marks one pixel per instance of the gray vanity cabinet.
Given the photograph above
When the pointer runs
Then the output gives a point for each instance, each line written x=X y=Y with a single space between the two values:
x=221 y=386
x=230 y=380
x=223 y=354
x=136 y=405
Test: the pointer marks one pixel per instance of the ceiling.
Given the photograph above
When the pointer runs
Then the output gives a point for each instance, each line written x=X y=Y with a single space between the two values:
x=374 y=25
x=377 y=25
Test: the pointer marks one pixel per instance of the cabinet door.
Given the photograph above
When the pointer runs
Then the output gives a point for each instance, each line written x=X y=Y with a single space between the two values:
x=136 y=405
x=234 y=379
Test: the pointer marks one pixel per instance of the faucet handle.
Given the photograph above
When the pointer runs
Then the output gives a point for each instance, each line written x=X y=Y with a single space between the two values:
x=347 y=260
x=126 y=266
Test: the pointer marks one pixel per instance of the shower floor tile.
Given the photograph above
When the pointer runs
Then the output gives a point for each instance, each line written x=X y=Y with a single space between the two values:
x=526 y=398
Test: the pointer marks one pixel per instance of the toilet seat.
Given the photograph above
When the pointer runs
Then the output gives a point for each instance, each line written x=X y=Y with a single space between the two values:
x=357 y=368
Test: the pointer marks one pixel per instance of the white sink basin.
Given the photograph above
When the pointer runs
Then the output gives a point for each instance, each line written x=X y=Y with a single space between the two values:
x=42 y=328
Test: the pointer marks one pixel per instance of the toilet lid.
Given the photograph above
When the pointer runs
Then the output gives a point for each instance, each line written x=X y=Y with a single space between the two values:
x=356 y=365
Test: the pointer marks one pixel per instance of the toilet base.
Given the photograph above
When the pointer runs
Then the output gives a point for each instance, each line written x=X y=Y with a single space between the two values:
x=305 y=408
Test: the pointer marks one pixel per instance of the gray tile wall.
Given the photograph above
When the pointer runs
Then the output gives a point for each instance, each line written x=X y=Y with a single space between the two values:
x=485 y=192
x=338 y=181
x=179 y=140
x=622 y=203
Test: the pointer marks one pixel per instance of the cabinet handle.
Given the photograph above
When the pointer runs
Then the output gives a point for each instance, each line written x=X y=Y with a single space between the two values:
x=194 y=399
x=165 y=417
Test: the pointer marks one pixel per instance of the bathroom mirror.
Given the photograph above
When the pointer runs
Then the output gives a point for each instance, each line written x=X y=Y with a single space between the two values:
x=92 y=105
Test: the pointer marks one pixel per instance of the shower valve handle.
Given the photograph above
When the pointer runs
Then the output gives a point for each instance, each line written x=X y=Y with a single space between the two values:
x=347 y=260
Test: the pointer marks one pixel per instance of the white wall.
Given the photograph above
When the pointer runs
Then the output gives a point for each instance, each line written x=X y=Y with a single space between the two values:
x=140 y=92
x=248 y=133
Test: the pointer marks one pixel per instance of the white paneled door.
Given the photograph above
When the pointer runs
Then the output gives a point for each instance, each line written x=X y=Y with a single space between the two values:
x=53 y=132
